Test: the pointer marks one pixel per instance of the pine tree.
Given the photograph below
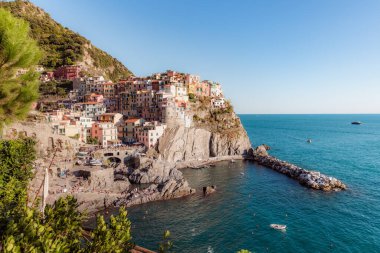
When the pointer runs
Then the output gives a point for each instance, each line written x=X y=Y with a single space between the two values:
x=17 y=51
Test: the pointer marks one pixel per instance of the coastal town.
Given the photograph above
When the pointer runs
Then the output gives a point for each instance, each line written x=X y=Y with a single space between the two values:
x=133 y=111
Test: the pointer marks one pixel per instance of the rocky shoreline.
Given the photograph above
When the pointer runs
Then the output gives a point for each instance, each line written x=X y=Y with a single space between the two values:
x=157 y=174
x=312 y=179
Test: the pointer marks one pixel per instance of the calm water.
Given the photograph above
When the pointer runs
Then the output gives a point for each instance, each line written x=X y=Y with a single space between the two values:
x=250 y=197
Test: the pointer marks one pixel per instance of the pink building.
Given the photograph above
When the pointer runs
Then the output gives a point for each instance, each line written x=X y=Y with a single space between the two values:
x=67 y=72
x=202 y=89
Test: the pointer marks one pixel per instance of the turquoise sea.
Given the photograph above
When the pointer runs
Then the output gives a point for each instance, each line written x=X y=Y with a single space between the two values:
x=250 y=197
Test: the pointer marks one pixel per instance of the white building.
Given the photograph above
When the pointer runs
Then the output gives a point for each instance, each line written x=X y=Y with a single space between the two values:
x=218 y=102
x=149 y=133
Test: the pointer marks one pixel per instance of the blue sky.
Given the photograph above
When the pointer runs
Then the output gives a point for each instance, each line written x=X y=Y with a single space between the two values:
x=284 y=56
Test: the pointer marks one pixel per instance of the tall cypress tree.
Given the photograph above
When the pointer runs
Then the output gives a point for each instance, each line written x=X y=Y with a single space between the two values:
x=17 y=51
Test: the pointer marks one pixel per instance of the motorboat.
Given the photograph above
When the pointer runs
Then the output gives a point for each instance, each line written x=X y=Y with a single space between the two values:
x=278 y=226
x=232 y=161
x=308 y=140
x=356 y=123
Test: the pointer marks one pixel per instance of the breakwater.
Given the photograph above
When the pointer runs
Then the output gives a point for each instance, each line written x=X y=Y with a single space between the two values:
x=311 y=179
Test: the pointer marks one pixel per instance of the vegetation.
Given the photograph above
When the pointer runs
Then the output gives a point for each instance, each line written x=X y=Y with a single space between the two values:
x=75 y=137
x=55 y=88
x=166 y=245
x=192 y=97
x=62 y=46
x=92 y=140
x=59 y=229
x=218 y=120
x=17 y=50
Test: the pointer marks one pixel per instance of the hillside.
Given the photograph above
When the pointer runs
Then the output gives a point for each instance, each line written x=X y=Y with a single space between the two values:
x=62 y=46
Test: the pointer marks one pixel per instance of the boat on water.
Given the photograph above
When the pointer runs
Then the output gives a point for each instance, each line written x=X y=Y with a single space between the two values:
x=232 y=161
x=356 y=123
x=278 y=226
x=308 y=140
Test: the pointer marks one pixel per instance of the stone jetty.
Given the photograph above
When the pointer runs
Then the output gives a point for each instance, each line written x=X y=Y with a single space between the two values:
x=311 y=179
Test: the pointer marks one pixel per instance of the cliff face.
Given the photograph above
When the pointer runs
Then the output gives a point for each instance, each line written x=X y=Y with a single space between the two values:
x=215 y=132
x=194 y=143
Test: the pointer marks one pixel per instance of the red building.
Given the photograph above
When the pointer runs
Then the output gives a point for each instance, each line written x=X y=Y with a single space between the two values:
x=67 y=72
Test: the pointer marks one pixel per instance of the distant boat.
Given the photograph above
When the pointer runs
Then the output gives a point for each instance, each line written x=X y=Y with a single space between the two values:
x=232 y=161
x=356 y=123
x=278 y=226
x=308 y=141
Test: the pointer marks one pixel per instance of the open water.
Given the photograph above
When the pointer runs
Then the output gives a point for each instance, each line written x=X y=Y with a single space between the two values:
x=250 y=197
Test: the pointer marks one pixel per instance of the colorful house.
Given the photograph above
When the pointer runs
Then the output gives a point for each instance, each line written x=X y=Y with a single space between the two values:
x=105 y=132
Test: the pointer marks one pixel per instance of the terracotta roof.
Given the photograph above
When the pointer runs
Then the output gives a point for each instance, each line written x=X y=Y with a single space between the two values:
x=133 y=120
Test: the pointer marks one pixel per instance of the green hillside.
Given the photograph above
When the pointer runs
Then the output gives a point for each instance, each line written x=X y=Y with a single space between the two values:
x=62 y=46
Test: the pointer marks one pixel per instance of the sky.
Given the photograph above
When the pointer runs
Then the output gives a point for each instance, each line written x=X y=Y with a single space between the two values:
x=271 y=56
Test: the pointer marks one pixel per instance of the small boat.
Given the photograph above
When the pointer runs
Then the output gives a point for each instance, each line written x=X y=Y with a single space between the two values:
x=232 y=161
x=278 y=226
x=308 y=141
x=356 y=123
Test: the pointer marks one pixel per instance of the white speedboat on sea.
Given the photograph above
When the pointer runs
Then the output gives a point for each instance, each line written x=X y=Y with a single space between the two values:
x=278 y=226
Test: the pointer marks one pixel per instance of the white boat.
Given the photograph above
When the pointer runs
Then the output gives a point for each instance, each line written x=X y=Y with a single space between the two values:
x=232 y=161
x=308 y=141
x=278 y=226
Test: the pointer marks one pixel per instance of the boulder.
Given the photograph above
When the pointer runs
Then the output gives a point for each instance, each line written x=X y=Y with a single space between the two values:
x=209 y=189
x=261 y=151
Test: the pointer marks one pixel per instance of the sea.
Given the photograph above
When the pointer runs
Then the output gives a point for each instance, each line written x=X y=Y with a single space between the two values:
x=250 y=197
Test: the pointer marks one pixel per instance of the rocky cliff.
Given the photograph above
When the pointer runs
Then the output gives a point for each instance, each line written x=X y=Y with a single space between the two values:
x=194 y=143
x=215 y=132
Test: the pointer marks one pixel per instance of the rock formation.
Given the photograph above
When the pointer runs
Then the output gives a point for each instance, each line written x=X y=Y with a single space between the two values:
x=187 y=144
x=207 y=190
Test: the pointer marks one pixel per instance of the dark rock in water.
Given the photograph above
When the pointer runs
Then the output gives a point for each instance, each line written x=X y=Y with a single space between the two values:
x=209 y=189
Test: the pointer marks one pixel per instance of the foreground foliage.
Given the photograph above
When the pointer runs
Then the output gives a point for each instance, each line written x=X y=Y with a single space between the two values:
x=17 y=50
x=59 y=228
